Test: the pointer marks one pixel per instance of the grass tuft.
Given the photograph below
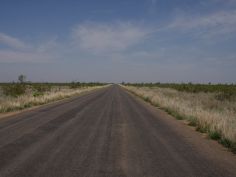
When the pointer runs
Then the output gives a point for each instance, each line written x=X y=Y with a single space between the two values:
x=192 y=121
x=214 y=135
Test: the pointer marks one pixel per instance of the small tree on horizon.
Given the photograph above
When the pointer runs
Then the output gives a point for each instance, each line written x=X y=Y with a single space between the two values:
x=22 y=78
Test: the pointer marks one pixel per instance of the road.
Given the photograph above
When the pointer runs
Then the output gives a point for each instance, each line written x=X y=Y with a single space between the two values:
x=107 y=132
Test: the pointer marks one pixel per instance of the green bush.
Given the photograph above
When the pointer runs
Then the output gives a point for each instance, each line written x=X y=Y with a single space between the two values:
x=41 y=87
x=74 y=85
x=214 y=135
x=14 y=89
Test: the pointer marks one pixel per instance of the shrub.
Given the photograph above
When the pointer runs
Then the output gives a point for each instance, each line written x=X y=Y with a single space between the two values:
x=41 y=87
x=14 y=89
x=74 y=85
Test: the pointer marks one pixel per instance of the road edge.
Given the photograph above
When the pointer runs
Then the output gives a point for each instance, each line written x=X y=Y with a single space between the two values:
x=143 y=101
x=5 y=115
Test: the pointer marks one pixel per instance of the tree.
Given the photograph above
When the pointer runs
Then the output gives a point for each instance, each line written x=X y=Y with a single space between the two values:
x=21 y=78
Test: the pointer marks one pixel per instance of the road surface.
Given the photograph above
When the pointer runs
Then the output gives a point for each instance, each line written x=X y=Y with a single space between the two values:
x=106 y=133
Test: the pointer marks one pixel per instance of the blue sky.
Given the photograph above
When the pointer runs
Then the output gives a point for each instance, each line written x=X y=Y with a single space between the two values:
x=114 y=41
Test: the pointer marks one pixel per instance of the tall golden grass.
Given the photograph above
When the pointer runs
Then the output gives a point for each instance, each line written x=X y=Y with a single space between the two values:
x=8 y=104
x=203 y=110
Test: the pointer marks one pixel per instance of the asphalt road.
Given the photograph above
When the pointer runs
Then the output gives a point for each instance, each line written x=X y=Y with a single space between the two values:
x=107 y=132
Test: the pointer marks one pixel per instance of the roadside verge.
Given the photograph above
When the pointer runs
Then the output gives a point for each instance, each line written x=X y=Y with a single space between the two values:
x=215 y=125
x=26 y=103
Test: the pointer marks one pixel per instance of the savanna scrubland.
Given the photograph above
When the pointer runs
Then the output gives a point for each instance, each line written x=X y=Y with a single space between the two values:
x=21 y=95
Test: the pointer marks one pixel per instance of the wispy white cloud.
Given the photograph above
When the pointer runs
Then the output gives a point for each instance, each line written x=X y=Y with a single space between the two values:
x=11 y=56
x=224 y=1
x=153 y=2
x=18 y=51
x=218 y=23
x=12 y=42
x=100 y=38
x=116 y=40
x=48 y=45
x=110 y=39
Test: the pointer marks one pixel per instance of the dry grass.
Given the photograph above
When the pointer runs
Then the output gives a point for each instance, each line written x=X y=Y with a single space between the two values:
x=203 y=110
x=8 y=104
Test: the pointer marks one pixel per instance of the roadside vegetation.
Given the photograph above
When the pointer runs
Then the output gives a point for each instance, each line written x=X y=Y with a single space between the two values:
x=20 y=95
x=210 y=108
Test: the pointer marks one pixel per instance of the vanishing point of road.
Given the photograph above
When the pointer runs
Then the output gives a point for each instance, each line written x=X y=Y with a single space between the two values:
x=106 y=133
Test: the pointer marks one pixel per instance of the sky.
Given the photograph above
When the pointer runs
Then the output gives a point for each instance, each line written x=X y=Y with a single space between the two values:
x=115 y=41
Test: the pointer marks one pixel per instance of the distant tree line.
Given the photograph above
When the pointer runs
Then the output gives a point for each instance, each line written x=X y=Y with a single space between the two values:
x=225 y=91
x=20 y=87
